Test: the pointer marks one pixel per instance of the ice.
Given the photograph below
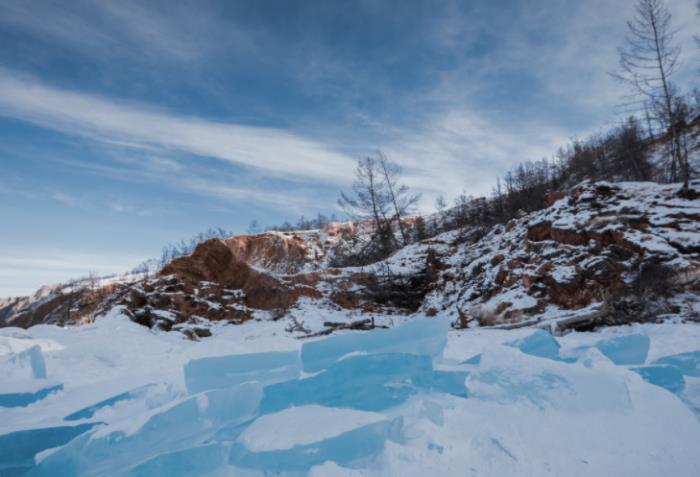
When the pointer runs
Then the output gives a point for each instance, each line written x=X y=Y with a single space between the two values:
x=476 y=359
x=540 y=343
x=23 y=378
x=625 y=350
x=368 y=382
x=90 y=411
x=668 y=377
x=507 y=376
x=669 y=371
x=25 y=398
x=298 y=438
x=28 y=363
x=26 y=366
x=193 y=462
x=426 y=336
x=180 y=425
x=17 y=449
x=687 y=363
x=225 y=371
x=519 y=405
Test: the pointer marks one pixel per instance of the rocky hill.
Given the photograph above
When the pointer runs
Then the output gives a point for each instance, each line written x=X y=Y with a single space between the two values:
x=603 y=253
x=628 y=251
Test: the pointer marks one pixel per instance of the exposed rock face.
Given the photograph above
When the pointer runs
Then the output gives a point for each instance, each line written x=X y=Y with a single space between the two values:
x=286 y=253
x=213 y=261
x=291 y=252
x=56 y=305
x=584 y=249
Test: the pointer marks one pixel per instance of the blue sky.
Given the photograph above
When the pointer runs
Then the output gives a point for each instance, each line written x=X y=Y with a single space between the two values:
x=126 y=125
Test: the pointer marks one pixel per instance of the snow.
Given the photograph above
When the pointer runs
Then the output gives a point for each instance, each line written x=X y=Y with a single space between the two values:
x=420 y=336
x=621 y=401
x=303 y=425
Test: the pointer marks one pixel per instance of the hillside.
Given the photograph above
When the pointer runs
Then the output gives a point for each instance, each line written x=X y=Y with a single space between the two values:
x=604 y=253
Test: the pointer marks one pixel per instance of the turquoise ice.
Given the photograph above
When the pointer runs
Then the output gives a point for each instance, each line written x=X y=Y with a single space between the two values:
x=625 y=350
x=17 y=449
x=426 y=336
x=226 y=371
x=180 y=425
x=369 y=382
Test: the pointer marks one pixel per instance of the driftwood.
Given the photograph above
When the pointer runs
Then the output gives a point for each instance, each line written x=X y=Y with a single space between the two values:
x=581 y=322
x=331 y=326
x=558 y=326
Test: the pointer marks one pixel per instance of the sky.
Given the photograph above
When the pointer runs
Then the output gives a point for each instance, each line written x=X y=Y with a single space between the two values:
x=127 y=125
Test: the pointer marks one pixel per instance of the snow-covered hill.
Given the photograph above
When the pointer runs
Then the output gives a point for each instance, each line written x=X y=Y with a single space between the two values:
x=602 y=254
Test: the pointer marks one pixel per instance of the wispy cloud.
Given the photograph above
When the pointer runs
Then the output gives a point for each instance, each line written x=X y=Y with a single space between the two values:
x=461 y=150
x=273 y=150
x=24 y=270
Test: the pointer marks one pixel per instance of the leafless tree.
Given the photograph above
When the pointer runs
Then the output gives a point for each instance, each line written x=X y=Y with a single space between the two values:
x=370 y=201
x=402 y=201
x=440 y=203
x=378 y=196
x=647 y=63
x=697 y=37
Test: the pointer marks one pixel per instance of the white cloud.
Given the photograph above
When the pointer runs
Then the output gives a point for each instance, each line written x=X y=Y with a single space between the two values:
x=461 y=150
x=273 y=150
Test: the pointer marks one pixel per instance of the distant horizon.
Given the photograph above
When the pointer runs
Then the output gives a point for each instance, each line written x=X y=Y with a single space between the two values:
x=125 y=126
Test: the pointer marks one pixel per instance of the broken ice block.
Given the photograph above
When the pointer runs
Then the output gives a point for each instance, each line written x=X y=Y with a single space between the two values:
x=226 y=371
x=687 y=363
x=426 y=336
x=17 y=449
x=540 y=344
x=23 y=378
x=668 y=377
x=298 y=438
x=192 y=462
x=476 y=359
x=28 y=392
x=626 y=349
x=88 y=412
x=184 y=424
x=369 y=382
x=450 y=382
x=506 y=376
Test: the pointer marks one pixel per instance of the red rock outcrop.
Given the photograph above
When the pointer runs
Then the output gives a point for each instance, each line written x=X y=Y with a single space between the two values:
x=213 y=261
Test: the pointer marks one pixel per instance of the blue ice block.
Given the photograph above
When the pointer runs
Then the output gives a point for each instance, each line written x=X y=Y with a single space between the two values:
x=426 y=336
x=185 y=424
x=90 y=411
x=192 y=462
x=626 y=349
x=21 y=399
x=369 y=383
x=540 y=344
x=668 y=377
x=17 y=449
x=687 y=363
x=226 y=371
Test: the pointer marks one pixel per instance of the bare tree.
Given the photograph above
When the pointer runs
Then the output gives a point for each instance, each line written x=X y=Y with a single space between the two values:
x=440 y=203
x=370 y=201
x=647 y=63
x=697 y=37
x=402 y=201
x=378 y=196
